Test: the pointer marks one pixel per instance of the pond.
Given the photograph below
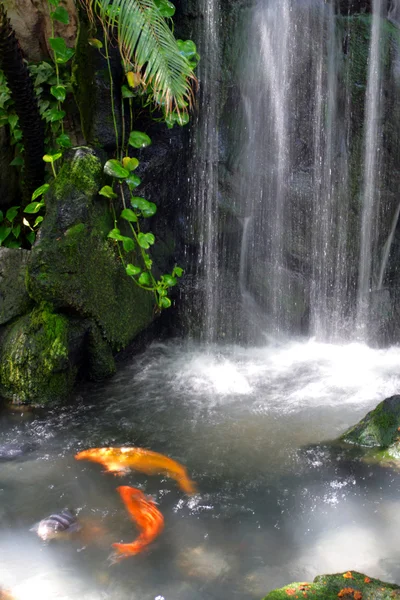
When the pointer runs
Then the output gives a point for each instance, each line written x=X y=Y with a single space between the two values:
x=275 y=504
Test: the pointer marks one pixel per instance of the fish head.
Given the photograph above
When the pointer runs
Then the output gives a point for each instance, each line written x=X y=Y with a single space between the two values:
x=94 y=454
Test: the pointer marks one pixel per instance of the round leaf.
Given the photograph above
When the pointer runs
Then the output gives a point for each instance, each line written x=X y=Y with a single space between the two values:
x=132 y=270
x=108 y=192
x=168 y=280
x=133 y=181
x=133 y=79
x=166 y=8
x=177 y=271
x=129 y=215
x=115 y=169
x=138 y=139
x=50 y=158
x=59 y=92
x=144 y=279
x=165 y=302
x=60 y=14
x=126 y=92
x=95 y=43
x=64 y=141
x=130 y=163
x=128 y=243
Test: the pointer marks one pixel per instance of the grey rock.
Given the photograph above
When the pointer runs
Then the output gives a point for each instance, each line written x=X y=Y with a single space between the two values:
x=14 y=299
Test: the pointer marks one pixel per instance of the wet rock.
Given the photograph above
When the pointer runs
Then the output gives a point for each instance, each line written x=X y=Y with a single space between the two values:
x=379 y=428
x=32 y=24
x=74 y=266
x=348 y=586
x=14 y=299
x=12 y=450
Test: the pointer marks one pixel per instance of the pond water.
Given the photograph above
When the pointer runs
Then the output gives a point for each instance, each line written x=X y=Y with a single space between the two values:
x=275 y=504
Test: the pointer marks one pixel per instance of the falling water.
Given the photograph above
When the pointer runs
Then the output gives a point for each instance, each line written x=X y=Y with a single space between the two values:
x=204 y=182
x=370 y=194
x=300 y=167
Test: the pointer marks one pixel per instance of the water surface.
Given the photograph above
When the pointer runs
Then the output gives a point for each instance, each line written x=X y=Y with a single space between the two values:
x=270 y=508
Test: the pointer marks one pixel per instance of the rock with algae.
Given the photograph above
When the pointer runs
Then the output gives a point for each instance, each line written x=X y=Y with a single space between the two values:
x=346 y=586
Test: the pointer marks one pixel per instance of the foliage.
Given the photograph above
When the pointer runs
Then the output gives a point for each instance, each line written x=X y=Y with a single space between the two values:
x=123 y=177
x=153 y=58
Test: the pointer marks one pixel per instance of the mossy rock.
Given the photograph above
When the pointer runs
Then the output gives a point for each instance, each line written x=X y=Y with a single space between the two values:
x=75 y=267
x=35 y=365
x=379 y=428
x=347 y=586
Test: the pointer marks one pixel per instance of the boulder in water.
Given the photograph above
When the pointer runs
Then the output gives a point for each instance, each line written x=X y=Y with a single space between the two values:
x=348 y=586
x=379 y=428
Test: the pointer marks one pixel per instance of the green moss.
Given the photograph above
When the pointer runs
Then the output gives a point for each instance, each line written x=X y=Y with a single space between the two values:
x=327 y=587
x=379 y=427
x=34 y=365
x=74 y=265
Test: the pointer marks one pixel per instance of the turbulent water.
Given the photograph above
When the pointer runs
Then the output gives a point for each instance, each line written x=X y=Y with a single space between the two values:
x=275 y=503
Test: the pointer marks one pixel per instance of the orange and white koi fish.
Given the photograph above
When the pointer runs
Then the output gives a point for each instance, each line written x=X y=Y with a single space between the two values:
x=120 y=460
x=145 y=515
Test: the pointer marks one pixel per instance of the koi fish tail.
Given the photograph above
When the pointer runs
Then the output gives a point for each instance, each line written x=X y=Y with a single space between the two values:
x=125 y=550
x=187 y=485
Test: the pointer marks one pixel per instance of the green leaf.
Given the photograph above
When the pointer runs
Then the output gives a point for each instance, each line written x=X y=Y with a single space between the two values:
x=187 y=48
x=64 y=141
x=59 y=92
x=13 y=120
x=133 y=181
x=10 y=243
x=138 y=139
x=177 y=271
x=144 y=36
x=51 y=158
x=130 y=163
x=40 y=191
x=38 y=220
x=95 y=43
x=16 y=231
x=147 y=208
x=132 y=270
x=108 y=192
x=147 y=261
x=182 y=118
x=4 y=233
x=145 y=240
x=12 y=213
x=17 y=162
x=54 y=115
x=126 y=92
x=54 y=3
x=144 y=279
x=168 y=280
x=128 y=244
x=115 y=234
x=1 y=216
x=60 y=14
x=165 y=302
x=115 y=169
x=31 y=236
x=129 y=215
x=61 y=52
x=166 y=8
x=33 y=207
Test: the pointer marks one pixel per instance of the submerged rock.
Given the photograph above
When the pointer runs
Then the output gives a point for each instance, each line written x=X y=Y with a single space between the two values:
x=348 y=586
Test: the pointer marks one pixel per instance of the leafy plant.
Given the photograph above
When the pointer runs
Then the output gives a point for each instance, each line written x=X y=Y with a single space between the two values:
x=140 y=208
x=150 y=52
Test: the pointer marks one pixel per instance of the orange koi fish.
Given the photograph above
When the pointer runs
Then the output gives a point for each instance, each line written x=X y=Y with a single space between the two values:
x=120 y=460
x=147 y=517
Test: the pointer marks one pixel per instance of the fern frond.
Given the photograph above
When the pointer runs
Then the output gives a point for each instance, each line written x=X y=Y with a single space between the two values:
x=148 y=45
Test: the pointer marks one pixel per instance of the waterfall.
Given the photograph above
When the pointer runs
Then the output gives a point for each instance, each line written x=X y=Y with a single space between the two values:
x=370 y=192
x=297 y=140
x=204 y=169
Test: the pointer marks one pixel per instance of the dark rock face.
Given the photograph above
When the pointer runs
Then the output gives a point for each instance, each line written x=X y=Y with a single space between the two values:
x=379 y=428
x=92 y=89
x=330 y=587
x=14 y=299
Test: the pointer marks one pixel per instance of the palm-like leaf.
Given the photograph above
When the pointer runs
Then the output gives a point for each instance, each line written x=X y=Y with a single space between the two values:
x=147 y=43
